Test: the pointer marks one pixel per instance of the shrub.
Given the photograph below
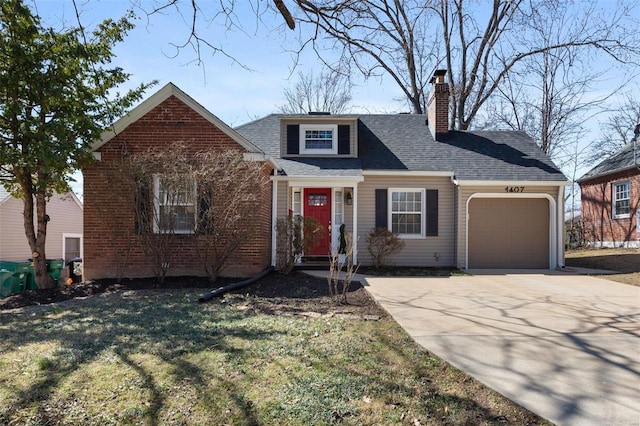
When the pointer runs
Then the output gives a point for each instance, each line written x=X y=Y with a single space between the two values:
x=382 y=244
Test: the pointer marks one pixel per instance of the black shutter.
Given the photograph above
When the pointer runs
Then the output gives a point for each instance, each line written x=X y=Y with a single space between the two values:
x=142 y=202
x=432 y=213
x=381 y=208
x=203 y=212
x=293 y=139
x=344 y=139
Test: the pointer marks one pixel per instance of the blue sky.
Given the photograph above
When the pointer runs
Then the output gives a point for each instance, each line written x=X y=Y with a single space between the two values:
x=236 y=92
x=239 y=90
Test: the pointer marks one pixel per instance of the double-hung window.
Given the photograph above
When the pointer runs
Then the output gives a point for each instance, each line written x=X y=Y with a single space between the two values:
x=175 y=204
x=620 y=199
x=318 y=139
x=407 y=212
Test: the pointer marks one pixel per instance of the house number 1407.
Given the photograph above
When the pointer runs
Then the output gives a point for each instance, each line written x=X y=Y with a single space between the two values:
x=514 y=189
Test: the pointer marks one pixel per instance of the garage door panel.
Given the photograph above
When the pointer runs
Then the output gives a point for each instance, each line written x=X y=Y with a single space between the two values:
x=509 y=233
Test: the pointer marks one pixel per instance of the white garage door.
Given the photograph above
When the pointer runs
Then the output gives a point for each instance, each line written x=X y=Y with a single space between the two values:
x=509 y=233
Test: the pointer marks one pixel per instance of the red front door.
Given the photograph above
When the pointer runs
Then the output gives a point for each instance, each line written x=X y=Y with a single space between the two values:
x=317 y=204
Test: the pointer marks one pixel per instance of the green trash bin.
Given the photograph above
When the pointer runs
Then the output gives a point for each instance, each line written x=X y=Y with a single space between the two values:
x=6 y=282
x=54 y=269
x=13 y=277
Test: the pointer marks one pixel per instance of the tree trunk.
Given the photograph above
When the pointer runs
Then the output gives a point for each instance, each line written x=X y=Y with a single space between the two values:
x=37 y=241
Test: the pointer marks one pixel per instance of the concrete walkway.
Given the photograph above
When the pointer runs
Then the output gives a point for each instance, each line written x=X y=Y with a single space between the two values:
x=564 y=346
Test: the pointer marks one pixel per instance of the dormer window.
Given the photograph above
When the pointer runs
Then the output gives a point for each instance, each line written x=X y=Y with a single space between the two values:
x=318 y=139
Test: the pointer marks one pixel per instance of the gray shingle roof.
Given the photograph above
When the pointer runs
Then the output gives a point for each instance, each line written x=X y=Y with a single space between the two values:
x=620 y=160
x=403 y=142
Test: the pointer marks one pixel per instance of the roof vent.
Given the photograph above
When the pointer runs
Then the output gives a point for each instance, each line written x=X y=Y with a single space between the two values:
x=319 y=113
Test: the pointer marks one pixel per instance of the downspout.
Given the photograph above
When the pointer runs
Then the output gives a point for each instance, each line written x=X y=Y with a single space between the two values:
x=560 y=230
x=355 y=224
x=274 y=219
x=456 y=216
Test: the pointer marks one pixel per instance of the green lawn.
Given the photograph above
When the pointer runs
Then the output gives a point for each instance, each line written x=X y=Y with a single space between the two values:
x=157 y=357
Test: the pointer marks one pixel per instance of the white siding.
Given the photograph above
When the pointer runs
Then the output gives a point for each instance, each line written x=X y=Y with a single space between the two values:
x=66 y=218
x=428 y=251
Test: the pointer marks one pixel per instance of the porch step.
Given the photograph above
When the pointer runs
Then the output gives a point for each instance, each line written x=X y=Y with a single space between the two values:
x=312 y=266
x=314 y=263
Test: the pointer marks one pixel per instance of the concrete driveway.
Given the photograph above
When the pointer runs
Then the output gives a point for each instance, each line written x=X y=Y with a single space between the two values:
x=566 y=347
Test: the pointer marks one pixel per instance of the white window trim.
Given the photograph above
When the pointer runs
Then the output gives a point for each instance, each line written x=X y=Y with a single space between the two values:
x=423 y=210
x=64 y=243
x=156 y=208
x=614 y=199
x=334 y=142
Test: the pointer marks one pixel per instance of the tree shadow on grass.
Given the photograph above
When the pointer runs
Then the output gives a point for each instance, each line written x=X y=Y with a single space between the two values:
x=109 y=324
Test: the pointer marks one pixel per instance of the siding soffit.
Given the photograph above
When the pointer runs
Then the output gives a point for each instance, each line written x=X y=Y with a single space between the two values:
x=156 y=99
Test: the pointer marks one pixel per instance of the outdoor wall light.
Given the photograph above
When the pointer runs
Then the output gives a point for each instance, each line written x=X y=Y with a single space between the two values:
x=348 y=197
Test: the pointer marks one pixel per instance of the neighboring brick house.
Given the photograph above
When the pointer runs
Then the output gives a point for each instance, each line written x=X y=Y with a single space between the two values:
x=112 y=235
x=611 y=200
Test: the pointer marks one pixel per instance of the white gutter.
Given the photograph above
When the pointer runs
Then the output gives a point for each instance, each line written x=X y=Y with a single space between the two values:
x=259 y=156
x=406 y=173
x=510 y=182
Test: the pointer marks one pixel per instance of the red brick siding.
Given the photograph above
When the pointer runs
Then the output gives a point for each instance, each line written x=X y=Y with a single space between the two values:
x=109 y=228
x=599 y=225
x=438 y=108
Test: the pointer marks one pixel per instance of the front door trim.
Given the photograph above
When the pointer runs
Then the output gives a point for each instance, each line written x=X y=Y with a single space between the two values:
x=327 y=211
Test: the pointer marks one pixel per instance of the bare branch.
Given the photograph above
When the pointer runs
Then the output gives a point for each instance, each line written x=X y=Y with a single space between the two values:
x=329 y=92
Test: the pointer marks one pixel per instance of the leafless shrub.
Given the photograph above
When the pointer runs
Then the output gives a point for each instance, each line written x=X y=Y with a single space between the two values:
x=230 y=193
x=382 y=244
x=163 y=188
x=337 y=264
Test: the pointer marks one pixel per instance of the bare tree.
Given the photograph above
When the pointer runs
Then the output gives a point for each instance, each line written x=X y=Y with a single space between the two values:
x=199 y=14
x=208 y=201
x=163 y=186
x=402 y=38
x=618 y=130
x=328 y=92
x=377 y=38
x=550 y=95
x=229 y=191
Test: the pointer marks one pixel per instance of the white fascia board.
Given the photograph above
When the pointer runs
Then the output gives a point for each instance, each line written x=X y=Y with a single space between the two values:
x=320 y=181
x=75 y=198
x=406 y=173
x=156 y=99
x=510 y=183
x=258 y=156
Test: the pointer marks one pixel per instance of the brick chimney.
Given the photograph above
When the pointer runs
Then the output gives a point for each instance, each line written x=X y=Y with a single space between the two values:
x=438 y=105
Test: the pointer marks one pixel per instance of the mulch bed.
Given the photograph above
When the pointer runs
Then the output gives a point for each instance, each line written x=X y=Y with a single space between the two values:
x=296 y=288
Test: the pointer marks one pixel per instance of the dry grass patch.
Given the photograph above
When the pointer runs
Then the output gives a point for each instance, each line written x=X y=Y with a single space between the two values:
x=626 y=261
